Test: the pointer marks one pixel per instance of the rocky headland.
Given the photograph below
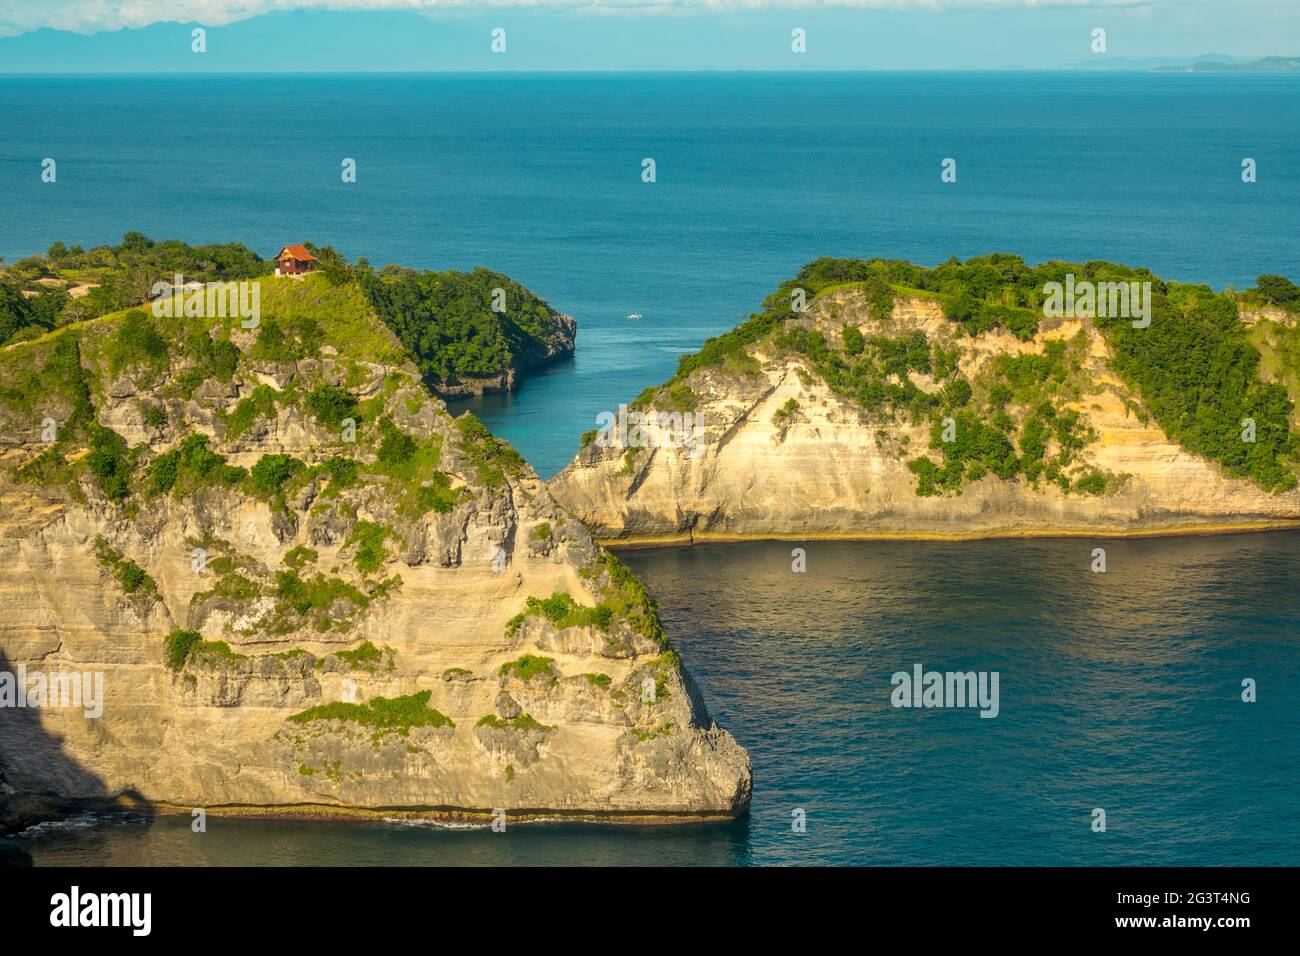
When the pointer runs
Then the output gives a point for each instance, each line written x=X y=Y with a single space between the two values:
x=308 y=589
x=879 y=399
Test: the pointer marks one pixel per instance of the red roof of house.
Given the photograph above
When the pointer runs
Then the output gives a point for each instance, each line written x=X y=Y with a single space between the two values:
x=297 y=252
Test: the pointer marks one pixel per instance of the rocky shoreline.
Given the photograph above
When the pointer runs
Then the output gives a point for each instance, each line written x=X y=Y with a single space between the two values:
x=633 y=542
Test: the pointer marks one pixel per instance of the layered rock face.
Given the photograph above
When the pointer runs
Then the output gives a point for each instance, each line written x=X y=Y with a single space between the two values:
x=312 y=589
x=779 y=453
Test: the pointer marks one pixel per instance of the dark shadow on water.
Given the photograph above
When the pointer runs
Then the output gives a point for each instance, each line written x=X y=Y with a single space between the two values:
x=50 y=787
x=64 y=815
x=499 y=404
x=169 y=841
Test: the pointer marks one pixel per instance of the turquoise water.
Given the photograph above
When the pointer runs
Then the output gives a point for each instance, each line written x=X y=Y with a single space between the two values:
x=539 y=176
x=1118 y=690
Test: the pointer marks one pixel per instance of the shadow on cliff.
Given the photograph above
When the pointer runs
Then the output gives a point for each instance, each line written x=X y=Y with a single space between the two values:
x=40 y=782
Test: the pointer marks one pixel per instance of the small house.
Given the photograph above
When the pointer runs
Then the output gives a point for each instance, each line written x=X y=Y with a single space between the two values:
x=294 y=261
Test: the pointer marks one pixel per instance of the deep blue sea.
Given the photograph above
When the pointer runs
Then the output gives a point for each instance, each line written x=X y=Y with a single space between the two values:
x=1118 y=691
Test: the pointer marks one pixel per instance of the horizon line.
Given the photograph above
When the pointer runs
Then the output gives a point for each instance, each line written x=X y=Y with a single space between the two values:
x=792 y=71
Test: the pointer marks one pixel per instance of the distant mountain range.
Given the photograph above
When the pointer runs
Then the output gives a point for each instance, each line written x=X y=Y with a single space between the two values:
x=1206 y=63
x=1268 y=64
x=333 y=41
x=1105 y=61
x=298 y=41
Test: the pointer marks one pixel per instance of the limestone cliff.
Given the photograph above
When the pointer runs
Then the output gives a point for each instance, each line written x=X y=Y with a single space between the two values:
x=792 y=438
x=307 y=588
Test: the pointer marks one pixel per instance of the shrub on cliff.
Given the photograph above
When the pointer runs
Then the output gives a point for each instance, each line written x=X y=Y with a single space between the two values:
x=530 y=666
x=109 y=462
x=1198 y=374
x=189 y=466
x=1278 y=290
x=27 y=314
x=491 y=458
x=853 y=340
x=383 y=715
x=177 y=646
x=251 y=408
x=134 y=344
x=271 y=472
x=396 y=447
x=564 y=612
x=134 y=580
x=331 y=405
x=368 y=537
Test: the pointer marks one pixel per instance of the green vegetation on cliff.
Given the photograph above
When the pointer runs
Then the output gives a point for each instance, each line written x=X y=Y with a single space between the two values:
x=447 y=321
x=458 y=326
x=316 y=598
x=622 y=598
x=564 y=612
x=524 y=722
x=491 y=458
x=57 y=384
x=1198 y=374
x=364 y=656
x=115 y=277
x=191 y=465
x=530 y=667
x=318 y=358
x=368 y=537
x=177 y=646
x=135 y=582
x=22 y=316
x=1195 y=369
x=382 y=715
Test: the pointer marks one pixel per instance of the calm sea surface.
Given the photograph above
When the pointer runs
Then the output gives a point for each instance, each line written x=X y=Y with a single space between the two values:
x=1119 y=691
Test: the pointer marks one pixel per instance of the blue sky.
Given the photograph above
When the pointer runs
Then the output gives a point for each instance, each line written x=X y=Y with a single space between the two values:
x=327 y=35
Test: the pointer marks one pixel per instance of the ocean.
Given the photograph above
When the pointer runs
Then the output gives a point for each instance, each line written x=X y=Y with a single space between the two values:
x=1119 y=691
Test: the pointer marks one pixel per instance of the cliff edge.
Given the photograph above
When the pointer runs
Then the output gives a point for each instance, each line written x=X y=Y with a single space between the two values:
x=878 y=398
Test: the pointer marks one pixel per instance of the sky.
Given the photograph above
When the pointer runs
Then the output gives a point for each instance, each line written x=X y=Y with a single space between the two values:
x=365 y=35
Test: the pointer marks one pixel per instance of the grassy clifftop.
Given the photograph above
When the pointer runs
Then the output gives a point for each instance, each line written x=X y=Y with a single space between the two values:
x=167 y=375
x=1198 y=370
x=467 y=331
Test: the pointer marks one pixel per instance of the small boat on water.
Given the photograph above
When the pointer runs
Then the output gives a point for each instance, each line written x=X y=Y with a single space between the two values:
x=634 y=316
